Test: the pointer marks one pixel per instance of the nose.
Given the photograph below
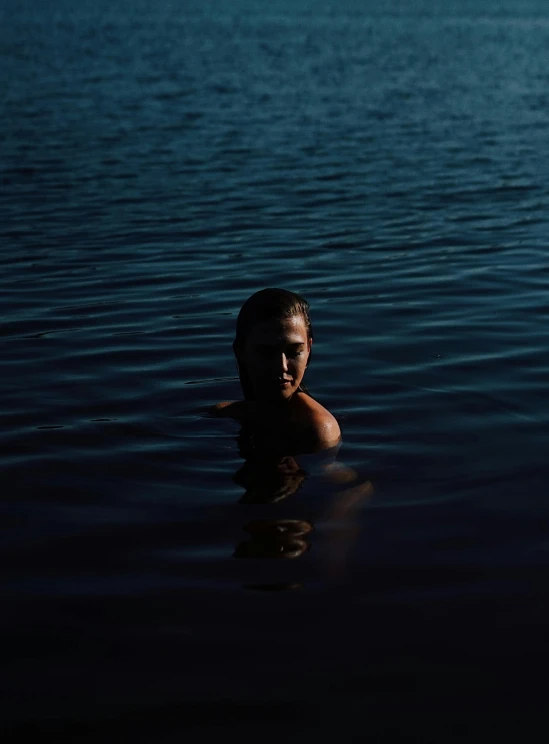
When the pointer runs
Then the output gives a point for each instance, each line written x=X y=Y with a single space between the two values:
x=283 y=362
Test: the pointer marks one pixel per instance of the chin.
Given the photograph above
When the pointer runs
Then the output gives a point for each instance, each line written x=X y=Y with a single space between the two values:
x=276 y=394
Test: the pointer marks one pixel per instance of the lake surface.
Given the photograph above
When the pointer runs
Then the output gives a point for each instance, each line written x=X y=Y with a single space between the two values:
x=160 y=161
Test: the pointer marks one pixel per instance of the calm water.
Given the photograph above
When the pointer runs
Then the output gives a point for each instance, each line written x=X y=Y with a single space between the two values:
x=160 y=161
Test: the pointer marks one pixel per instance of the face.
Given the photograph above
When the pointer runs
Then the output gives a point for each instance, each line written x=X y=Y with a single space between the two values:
x=275 y=354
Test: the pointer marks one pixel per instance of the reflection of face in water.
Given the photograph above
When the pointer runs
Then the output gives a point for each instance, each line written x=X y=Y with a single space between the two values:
x=268 y=481
x=275 y=538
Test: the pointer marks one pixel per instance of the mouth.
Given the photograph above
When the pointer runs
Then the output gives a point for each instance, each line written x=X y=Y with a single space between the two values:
x=276 y=385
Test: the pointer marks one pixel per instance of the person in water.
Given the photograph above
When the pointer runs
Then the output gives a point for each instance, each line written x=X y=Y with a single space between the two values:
x=273 y=344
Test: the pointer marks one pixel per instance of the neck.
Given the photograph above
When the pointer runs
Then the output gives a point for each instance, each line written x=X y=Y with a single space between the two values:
x=274 y=409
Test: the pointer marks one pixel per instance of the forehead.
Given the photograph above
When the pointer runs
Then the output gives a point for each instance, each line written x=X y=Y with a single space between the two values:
x=279 y=330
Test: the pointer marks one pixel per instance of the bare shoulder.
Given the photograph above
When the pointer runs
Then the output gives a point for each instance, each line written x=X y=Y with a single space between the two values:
x=236 y=409
x=320 y=423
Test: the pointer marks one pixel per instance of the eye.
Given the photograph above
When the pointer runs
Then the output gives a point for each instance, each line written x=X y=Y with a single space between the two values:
x=263 y=351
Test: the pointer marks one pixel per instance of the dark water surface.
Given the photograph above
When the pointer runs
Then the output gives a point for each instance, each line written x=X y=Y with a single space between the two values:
x=159 y=162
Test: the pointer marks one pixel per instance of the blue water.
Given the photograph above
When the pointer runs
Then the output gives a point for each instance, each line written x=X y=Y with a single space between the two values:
x=159 y=162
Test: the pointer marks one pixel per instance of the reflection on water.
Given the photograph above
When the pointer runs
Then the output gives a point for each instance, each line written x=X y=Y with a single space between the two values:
x=271 y=479
x=275 y=538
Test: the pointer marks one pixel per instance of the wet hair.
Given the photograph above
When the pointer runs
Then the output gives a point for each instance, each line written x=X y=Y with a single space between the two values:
x=267 y=304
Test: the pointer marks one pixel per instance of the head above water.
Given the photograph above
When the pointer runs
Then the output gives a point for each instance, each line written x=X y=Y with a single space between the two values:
x=273 y=343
